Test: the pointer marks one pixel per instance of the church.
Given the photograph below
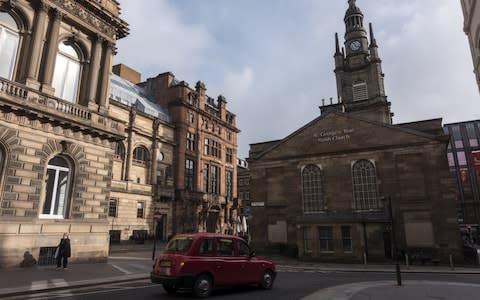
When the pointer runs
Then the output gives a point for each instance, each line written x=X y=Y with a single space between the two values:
x=351 y=185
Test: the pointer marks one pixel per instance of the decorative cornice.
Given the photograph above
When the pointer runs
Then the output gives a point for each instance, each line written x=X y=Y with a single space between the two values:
x=79 y=11
x=8 y=3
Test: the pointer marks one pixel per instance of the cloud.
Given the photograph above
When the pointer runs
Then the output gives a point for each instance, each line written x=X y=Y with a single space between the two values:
x=237 y=85
x=273 y=59
x=160 y=40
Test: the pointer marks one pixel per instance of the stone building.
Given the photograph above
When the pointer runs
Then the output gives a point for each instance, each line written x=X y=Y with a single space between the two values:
x=205 y=156
x=57 y=136
x=142 y=188
x=471 y=27
x=350 y=184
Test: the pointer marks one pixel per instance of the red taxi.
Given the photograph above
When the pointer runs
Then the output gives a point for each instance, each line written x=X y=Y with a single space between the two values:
x=203 y=261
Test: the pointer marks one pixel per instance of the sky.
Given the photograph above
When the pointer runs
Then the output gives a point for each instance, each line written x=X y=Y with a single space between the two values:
x=273 y=59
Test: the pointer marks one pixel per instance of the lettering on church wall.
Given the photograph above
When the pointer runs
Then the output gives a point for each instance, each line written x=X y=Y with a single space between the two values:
x=328 y=136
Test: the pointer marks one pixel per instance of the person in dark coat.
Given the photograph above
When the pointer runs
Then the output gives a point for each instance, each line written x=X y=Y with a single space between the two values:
x=64 y=252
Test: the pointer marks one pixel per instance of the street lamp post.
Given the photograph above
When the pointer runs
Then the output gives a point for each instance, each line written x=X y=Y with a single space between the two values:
x=394 y=241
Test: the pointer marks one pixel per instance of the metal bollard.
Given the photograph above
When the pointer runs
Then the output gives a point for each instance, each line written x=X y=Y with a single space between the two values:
x=407 y=262
x=451 y=262
x=399 y=275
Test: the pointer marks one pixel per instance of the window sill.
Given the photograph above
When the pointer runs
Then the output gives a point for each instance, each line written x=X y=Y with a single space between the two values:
x=51 y=217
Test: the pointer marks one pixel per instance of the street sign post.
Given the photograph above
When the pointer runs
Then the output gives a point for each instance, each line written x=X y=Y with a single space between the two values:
x=156 y=218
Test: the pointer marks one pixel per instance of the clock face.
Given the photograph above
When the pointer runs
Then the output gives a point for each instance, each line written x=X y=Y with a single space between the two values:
x=355 y=45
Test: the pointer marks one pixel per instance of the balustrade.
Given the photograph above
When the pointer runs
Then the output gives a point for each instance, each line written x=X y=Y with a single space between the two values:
x=34 y=100
x=12 y=89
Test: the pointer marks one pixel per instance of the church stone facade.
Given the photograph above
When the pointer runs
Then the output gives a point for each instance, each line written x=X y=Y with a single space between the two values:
x=350 y=185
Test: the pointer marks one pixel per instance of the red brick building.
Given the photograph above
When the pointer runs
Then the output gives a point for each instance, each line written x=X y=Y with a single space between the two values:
x=205 y=155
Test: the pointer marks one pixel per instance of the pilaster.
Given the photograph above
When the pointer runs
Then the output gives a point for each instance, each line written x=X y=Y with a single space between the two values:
x=94 y=70
x=108 y=48
x=52 y=47
x=35 y=52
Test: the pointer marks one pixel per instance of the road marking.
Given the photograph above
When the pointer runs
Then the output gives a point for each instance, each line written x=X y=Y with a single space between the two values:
x=128 y=258
x=120 y=269
x=347 y=291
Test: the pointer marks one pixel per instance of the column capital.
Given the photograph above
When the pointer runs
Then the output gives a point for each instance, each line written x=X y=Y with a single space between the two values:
x=155 y=125
x=97 y=39
x=43 y=7
x=58 y=15
x=111 y=46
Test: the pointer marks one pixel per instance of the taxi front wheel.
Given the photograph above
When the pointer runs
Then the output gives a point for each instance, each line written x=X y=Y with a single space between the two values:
x=267 y=280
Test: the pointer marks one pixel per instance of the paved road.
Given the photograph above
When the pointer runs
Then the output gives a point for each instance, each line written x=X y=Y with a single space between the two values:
x=289 y=285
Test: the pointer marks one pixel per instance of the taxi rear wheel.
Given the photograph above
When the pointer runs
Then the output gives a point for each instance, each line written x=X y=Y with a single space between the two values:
x=203 y=286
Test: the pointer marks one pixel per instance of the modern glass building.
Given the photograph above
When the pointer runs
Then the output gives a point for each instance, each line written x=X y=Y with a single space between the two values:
x=463 y=142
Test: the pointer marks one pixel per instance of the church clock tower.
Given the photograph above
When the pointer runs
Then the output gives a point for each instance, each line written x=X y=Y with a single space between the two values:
x=358 y=71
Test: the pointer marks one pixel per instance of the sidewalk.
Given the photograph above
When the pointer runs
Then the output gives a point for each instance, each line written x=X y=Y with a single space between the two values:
x=42 y=278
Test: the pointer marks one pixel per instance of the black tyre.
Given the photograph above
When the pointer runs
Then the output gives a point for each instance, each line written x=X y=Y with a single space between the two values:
x=203 y=286
x=266 y=282
x=169 y=288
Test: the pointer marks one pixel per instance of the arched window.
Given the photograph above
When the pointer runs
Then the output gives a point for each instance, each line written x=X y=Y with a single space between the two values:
x=67 y=73
x=312 y=189
x=2 y=165
x=364 y=185
x=57 y=188
x=140 y=155
x=119 y=151
x=9 y=39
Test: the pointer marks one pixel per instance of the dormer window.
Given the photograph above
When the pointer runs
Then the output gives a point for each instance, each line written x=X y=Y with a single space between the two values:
x=9 y=38
x=360 y=91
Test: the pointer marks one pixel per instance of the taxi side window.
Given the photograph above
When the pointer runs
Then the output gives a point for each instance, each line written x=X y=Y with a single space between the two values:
x=225 y=247
x=206 y=247
x=243 y=249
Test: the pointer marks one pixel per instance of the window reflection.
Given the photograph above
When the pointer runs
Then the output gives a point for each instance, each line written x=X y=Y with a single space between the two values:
x=56 y=190
x=8 y=45
x=67 y=73
x=462 y=160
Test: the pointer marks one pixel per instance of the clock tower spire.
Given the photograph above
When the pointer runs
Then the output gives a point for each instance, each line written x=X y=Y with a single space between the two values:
x=358 y=71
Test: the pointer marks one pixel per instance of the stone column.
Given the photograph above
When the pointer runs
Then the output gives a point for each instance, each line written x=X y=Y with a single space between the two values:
x=105 y=76
x=129 y=154
x=94 y=72
x=52 y=49
x=153 y=165
x=36 y=46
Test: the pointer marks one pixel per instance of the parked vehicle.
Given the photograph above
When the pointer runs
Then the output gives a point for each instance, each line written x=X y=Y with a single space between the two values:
x=204 y=261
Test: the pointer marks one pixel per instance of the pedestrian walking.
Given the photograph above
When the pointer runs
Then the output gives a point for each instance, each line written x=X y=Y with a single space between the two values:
x=63 y=252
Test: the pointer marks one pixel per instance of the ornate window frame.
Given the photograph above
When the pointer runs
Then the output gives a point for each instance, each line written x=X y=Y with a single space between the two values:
x=58 y=186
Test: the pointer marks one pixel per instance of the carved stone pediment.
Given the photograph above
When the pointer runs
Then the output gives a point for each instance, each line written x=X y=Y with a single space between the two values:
x=85 y=15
